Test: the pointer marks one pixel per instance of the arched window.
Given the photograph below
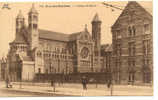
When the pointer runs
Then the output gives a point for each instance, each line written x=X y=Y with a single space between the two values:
x=134 y=30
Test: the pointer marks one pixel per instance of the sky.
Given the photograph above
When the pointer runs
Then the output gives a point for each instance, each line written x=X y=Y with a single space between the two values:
x=61 y=19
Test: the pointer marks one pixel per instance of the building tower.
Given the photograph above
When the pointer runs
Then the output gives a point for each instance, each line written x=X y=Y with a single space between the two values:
x=96 y=36
x=33 y=27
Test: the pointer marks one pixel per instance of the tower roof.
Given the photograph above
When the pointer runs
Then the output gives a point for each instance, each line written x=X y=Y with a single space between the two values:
x=33 y=10
x=20 y=15
x=96 y=18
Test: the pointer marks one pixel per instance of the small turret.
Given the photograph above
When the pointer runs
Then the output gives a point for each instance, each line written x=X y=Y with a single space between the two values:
x=20 y=21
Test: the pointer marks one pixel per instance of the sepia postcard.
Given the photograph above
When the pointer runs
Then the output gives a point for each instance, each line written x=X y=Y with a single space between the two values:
x=76 y=49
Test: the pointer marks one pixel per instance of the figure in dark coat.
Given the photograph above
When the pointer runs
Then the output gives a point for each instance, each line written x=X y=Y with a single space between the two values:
x=109 y=84
x=84 y=83
x=7 y=83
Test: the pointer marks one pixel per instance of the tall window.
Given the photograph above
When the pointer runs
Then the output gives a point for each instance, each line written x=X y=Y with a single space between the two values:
x=146 y=47
x=117 y=34
x=131 y=48
x=131 y=31
x=134 y=30
x=146 y=29
x=146 y=62
x=118 y=49
x=117 y=70
x=118 y=64
x=131 y=76
x=131 y=66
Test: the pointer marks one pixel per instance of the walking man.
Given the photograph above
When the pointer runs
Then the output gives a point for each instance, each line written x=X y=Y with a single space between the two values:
x=109 y=83
x=84 y=83
x=7 y=83
x=53 y=84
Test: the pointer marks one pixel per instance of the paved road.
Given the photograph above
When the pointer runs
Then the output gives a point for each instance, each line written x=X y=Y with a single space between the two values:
x=75 y=90
x=11 y=92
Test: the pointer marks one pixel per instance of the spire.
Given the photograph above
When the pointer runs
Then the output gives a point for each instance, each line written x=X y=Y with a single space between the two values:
x=20 y=15
x=96 y=18
x=86 y=30
x=33 y=10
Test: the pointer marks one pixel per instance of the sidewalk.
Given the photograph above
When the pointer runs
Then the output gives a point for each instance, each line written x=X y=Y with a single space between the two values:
x=76 y=90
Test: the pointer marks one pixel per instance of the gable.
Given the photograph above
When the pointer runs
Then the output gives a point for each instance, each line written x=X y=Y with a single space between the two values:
x=132 y=9
x=85 y=36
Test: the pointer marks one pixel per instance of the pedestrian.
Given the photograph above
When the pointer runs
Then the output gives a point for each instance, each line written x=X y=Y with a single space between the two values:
x=7 y=83
x=109 y=83
x=53 y=84
x=84 y=83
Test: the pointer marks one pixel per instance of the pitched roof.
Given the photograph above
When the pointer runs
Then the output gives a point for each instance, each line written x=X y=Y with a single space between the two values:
x=51 y=35
x=96 y=18
x=137 y=6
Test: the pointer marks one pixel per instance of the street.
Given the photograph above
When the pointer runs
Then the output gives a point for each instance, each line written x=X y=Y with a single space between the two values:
x=75 y=90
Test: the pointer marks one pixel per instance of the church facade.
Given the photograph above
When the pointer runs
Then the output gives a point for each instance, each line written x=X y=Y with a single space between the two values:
x=36 y=50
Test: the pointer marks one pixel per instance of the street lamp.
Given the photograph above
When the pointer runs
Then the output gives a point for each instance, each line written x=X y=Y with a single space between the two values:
x=111 y=83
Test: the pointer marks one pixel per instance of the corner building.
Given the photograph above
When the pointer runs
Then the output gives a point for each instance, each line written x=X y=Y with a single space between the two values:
x=132 y=39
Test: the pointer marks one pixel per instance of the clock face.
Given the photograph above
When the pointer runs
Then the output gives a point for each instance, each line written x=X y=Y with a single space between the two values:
x=84 y=52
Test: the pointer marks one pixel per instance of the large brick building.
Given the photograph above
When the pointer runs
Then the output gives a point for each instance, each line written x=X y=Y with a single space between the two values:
x=37 y=51
x=132 y=45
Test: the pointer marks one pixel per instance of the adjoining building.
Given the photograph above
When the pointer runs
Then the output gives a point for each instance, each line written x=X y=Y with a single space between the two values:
x=132 y=39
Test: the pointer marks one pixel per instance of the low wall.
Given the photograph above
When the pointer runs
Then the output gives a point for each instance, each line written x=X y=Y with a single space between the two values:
x=73 y=78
